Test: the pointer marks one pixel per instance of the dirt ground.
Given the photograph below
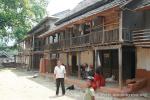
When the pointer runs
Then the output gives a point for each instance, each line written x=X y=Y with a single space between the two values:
x=20 y=85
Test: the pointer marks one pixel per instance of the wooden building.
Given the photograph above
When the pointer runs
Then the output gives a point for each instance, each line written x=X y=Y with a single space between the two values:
x=141 y=39
x=31 y=48
x=110 y=33
x=93 y=33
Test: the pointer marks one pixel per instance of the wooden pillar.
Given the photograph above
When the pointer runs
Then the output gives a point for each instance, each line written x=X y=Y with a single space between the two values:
x=90 y=32
x=103 y=37
x=15 y=58
x=79 y=65
x=120 y=26
x=120 y=66
x=95 y=58
x=67 y=62
x=32 y=52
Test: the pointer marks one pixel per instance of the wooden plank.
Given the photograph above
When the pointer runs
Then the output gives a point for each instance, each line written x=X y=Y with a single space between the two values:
x=107 y=47
x=140 y=37
x=139 y=40
x=141 y=33
x=137 y=43
x=146 y=46
x=141 y=30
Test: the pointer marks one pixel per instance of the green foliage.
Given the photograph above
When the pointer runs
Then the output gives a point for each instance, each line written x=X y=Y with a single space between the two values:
x=18 y=16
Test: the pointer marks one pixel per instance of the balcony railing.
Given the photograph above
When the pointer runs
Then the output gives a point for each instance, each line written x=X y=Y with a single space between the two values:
x=141 y=37
x=95 y=37
x=55 y=46
x=111 y=35
x=127 y=35
x=84 y=39
x=47 y=47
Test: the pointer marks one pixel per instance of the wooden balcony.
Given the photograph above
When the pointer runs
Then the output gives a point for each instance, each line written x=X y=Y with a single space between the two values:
x=47 y=47
x=142 y=37
x=95 y=37
x=80 y=40
x=24 y=52
x=127 y=35
x=111 y=36
x=55 y=46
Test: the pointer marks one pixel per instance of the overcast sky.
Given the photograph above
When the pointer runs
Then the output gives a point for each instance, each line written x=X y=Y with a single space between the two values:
x=56 y=6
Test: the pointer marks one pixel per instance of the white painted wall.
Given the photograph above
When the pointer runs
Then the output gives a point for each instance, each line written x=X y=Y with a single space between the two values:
x=143 y=58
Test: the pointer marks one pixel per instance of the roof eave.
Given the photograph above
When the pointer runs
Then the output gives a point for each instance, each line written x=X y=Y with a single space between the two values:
x=41 y=22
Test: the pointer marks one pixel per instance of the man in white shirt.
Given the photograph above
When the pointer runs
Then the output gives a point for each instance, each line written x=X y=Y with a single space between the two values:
x=59 y=74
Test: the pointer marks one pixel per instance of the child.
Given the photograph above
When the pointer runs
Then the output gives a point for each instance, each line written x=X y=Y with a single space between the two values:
x=89 y=92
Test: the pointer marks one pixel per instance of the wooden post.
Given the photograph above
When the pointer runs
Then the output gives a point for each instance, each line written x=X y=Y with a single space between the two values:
x=90 y=39
x=121 y=26
x=120 y=66
x=32 y=52
x=103 y=37
x=95 y=58
x=79 y=65
x=67 y=62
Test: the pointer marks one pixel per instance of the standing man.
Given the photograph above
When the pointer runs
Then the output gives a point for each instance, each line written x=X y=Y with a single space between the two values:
x=59 y=74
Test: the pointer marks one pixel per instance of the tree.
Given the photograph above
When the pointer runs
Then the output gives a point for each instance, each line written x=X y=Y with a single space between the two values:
x=17 y=17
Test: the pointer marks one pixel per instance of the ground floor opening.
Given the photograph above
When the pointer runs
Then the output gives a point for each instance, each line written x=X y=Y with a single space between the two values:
x=108 y=58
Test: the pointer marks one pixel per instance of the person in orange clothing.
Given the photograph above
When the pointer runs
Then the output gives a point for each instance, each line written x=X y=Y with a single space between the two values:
x=98 y=79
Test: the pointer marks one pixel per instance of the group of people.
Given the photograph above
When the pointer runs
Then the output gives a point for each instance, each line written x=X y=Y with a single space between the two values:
x=86 y=70
x=94 y=79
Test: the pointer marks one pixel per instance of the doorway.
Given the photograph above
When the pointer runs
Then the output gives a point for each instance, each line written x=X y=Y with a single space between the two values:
x=109 y=62
x=74 y=65
x=128 y=62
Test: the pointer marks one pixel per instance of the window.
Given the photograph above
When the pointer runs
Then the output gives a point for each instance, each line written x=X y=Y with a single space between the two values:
x=50 y=39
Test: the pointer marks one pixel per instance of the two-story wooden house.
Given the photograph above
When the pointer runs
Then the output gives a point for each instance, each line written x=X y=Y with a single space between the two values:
x=96 y=32
x=31 y=48
x=141 y=40
x=113 y=34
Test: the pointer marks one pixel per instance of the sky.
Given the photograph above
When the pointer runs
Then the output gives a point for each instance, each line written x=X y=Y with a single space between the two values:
x=56 y=6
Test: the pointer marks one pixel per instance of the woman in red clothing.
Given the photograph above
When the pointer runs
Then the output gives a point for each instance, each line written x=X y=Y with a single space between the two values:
x=98 y=79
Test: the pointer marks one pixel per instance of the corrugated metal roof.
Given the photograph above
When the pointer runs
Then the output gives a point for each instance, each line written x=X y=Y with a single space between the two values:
x=137 y=4
x=41 y=23
x=82 y=8
x=90 y=13
x=62 y=14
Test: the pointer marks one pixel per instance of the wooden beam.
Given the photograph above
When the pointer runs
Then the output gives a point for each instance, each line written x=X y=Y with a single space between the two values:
x=108 y=47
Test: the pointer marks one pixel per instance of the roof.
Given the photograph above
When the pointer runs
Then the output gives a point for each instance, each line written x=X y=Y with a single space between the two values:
x=53 y=17
x=62 y=14
x=97 y=10
x=82 y=8
x=41 y=23
x=138 y=4
x=142 y=3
